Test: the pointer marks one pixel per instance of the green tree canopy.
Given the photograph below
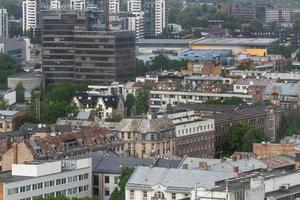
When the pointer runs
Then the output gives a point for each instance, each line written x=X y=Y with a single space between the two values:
x=241 y=136
x=8 y=67
x=119 y=192
x=130 y=103
x=3 y=105
x=20 y=93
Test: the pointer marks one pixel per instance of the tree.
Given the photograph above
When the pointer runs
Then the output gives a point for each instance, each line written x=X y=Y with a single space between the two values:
x=290 y=125
x=142 y=101
x=241 y=136
x=8 y=67
x=3 y=105
x=130 y=103
x=119 y=192
x=20 y=93
x=283 y=50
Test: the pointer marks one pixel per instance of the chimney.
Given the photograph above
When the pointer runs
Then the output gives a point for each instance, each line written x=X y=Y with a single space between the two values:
x=185 y=166
x=297 y=161
x=236 y=169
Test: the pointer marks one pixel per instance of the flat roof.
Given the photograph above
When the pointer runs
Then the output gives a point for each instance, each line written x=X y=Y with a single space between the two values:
x=236 y=41
x=164 y=41
x=27 y=75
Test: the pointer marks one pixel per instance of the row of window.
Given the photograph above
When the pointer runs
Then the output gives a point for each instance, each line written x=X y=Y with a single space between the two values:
x=193 y=130
x=47 y=184
x=157 y=195
x=69 y=191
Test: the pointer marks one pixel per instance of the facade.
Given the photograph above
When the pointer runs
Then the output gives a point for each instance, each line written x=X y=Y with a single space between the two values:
x=194 y=135
x=71 y=177
x=280 y=15
x=29 y=14
x=162 y=183
x=3 y=23
x=159 y=99
x=76 y=54
x=107 y=170
x=7 y=120
x=244 y=12
x=265 y=150
x=136 y=23
x=114 y=6
x=8 y=96
x=17 y=48
x=146 y=137
x=154 y=17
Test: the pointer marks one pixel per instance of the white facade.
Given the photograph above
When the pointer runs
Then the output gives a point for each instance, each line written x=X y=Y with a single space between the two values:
x=159 y=99
x=186 y=120
x=1 y=48
x=3 y=23
x=77 y=4
x=71 y=178
x=8 y=96
x=280 y=14
x=134 y=5
x=114 y=6
x=160 y=16
x=29 y=14
x=55 y=4
x=136 y=24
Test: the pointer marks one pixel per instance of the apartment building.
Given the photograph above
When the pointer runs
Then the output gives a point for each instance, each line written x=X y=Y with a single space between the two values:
x=243 y=12
x=194 y=135
x=159 y=99
x=69 y=177
x=107 y=168
x=8 y=120
x=114 y=6
x=280 y=15
x=136 y=23
x=73 y=54
x=146 y=137
x=3 y=23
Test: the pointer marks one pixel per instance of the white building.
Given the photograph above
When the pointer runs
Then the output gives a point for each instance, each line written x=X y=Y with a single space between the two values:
x=55 y=4
x=71 y=177
x=134 y=5
x=160 y=16
x=8 y=96
x=1 y=47
x=3 y=23
x=159 y=99
x=30 y=13
x=171 y=184
x=114 y=6
x=136 y=23
x=77 y=4
x=281 y=15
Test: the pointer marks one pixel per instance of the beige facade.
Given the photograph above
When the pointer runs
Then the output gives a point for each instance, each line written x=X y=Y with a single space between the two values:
x=18 y=154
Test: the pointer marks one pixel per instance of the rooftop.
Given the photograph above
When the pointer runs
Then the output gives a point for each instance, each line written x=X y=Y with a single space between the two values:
x=175 y=179
x=27 y=75
x=236 y=41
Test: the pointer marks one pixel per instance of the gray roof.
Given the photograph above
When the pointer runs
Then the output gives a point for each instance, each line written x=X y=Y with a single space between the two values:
x=8 y=112
x=164 y=41
x=287 y=89
x=217 y=165
x=175 y=179
x=236 y=41
x=110 y=162
x=26 y=75
x=144 y=125
x=83 y=115
x=203 y=78
x=251 y=81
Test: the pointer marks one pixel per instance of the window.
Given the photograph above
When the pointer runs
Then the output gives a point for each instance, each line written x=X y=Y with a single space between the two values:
x=173 y=196
x=70 y=191
x=96 y=191
x=28 y=188
x=95 y=180
x=106 y=192
x=40 y=185
x=22 y=189
x=13 y=191
x=80 y=177
x=106 y=179
x=70 y=179
x=145 y=194
x=63 y=181
x=74 y=190
x=86 y=188
x=80 y=189
x=74 y=178
x=86 y=176
x=131 y=193
x=116 y=180
x=58 y=181
x=34 y=186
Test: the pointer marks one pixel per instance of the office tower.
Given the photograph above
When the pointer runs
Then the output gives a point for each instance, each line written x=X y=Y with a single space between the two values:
x=3 y=23
x=58 y=43
x=71 y=53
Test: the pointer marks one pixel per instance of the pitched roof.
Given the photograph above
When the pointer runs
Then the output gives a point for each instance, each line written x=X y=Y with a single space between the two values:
x=144 y=125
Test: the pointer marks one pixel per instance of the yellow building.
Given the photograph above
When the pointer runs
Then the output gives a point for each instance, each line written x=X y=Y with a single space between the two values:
x=251 y=46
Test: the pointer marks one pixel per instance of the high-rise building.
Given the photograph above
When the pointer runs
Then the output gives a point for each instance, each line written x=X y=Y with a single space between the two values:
x=136 y=23
x=71 y=53
x=55 y=4
x=32 y=13
x=3 y=23
x=77 y=4
x=114 y=6
x=154 y=17
x=134 y=5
